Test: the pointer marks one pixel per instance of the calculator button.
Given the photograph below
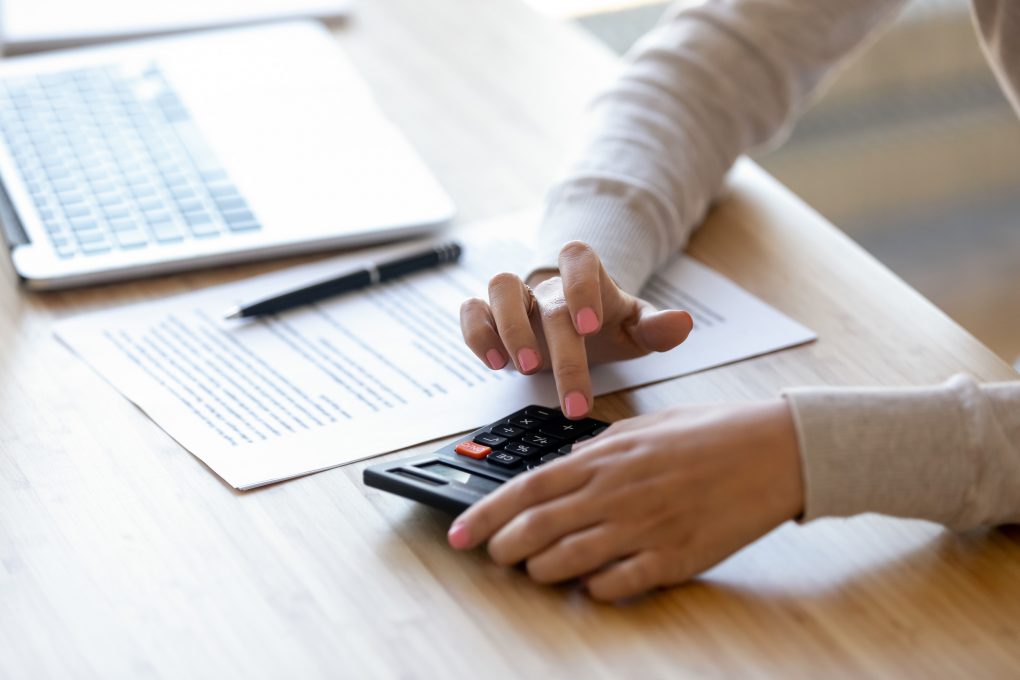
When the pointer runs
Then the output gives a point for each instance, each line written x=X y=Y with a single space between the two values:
x=599 y=430
x=505 y=430
x=503 y=459
x=568 y=429
x=473 y=450
x=567 y=448
x=541 y=440
x=525 y=421
x=542 y=413
x=548 y=458
x=522 y=449
x=490 y=440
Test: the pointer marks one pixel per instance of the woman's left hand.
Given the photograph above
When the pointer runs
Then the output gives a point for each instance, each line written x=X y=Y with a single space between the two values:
x=652 y=501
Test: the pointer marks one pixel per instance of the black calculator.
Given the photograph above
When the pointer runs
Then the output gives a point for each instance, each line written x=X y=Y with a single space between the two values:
x=458 y=475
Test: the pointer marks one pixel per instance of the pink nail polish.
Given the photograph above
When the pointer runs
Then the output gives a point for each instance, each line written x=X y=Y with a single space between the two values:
x=575 y=405
x=587 y=321
x=495 y=359
x=458 y=536
x=527 y=359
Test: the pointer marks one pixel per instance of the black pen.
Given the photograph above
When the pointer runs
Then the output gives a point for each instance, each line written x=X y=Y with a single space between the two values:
x=372 y=274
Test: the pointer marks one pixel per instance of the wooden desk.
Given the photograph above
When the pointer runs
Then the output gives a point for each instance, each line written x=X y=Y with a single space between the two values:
x=121 y=556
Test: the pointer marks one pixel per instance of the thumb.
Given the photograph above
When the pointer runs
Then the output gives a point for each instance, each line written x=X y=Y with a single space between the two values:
x=655 y=331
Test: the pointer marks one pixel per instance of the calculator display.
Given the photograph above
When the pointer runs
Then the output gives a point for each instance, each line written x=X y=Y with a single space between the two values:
x=457 y=475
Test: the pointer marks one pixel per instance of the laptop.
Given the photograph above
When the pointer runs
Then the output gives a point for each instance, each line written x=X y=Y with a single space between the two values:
x=35 y=25
x=167 y=154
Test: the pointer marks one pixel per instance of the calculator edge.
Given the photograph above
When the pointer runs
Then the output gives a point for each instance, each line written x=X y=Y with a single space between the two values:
x=382 y=476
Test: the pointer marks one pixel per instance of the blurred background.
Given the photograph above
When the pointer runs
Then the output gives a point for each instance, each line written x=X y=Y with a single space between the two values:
x=913 y=151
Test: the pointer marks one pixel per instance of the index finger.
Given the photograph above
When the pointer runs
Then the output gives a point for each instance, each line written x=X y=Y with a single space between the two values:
x=567 y=352
x=580 y=271
x=483 y=519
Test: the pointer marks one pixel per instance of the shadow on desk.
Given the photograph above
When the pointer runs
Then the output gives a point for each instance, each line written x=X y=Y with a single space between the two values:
x=826 y=599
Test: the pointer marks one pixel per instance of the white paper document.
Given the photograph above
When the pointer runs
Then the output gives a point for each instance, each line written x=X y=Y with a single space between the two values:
x=373 y=371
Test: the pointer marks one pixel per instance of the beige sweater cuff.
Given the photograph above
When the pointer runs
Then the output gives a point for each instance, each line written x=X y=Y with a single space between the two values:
x=902 y=452
x=614 y=224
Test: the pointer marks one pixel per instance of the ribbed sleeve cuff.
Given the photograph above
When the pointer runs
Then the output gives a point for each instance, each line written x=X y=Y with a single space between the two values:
x=620 y=233
x=900 y=452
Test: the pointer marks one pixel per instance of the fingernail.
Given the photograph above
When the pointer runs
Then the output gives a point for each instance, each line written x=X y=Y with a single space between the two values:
x=527 y=359
x=458 y=536
x=587 y=321
x=575 y=405
x=495 y=359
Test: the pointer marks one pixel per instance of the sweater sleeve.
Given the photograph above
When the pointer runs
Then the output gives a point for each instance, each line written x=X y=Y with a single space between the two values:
x=709 y=83
x=998 y=22
x=949 y=454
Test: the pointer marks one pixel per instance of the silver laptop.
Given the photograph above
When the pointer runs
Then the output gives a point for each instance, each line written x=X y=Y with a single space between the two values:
x=166 y=154
x=36 y=25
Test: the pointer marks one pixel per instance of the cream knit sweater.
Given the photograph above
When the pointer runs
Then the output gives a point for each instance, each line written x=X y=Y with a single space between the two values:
x=705 y=86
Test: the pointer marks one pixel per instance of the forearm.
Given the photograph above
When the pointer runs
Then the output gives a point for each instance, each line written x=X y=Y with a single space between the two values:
x=999 y=23
x=705 y=86
x=949 y=454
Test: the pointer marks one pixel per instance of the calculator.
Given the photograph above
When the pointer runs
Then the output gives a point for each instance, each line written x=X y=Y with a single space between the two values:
x=461 y=473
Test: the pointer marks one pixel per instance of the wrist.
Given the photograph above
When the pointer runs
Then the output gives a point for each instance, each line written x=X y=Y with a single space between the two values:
x=779 y=434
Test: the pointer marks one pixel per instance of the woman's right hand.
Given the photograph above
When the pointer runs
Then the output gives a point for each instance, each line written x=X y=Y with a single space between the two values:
x=578 y=316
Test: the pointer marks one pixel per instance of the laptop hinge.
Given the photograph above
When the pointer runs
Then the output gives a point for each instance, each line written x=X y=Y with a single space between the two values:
x=13 y=230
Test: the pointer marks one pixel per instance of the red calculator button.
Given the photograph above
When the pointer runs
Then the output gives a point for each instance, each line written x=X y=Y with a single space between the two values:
x=473 y=450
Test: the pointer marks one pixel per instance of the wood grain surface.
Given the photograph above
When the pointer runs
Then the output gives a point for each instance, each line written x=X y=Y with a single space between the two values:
x=121 y=556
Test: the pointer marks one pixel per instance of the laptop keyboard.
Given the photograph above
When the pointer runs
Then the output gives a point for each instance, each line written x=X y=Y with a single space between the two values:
x=114 y=161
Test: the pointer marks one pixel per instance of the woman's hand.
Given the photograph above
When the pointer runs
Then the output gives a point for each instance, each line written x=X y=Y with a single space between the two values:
x=578 y=317
x=653 y=501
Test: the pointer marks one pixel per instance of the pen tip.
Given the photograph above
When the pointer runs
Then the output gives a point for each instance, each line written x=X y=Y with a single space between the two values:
x=234 y=313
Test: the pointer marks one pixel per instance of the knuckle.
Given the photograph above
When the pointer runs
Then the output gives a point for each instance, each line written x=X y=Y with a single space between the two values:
x=549 y=288
x=480 y=518
x=497 y=555
x=576 y=250
x=644 y=574
x=476 y=336
x=533 y=487
x=570 y=368
x=514 y=331
x=555 y=310
x=502 y=280
x=470 y=305
x=597 y=590
x=676 y=571
x=580 y=287
x=582 y=553
x=532 y=525
x=607 y=588
x=603 y=467
x=606 y=477
x=537 y=571
x=634 y=441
